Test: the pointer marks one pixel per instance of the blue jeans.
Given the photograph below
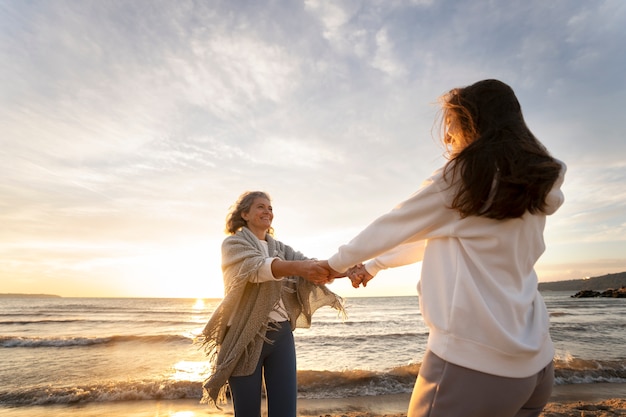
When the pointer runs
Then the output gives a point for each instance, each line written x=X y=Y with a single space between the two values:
x=278 y=365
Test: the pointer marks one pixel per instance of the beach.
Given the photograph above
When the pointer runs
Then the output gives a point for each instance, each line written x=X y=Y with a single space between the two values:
x=71 y=357
x=580 y=400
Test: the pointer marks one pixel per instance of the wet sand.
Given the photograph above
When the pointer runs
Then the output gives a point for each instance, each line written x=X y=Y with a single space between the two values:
x=582 y=400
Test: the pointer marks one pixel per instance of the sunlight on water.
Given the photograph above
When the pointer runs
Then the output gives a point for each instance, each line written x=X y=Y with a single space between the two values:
x=183 y=414
x=190 y=371
x=199 y=305
x=199 y=313
x=193 y=333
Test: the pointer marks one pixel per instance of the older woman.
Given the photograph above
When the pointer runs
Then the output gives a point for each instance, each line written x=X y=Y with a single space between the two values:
x=270 y=289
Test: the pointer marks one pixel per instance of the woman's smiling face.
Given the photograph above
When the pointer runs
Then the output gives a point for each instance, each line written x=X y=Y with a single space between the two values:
x=259 y=217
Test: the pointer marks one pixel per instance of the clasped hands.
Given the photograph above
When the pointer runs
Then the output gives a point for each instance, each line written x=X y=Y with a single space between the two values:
x=321 y=273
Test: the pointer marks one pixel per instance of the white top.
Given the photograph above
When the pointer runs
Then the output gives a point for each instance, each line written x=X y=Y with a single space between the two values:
x=265 y=274
x=478 y=289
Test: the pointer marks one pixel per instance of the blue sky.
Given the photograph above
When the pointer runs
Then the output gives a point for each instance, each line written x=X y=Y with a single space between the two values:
x=130 y=127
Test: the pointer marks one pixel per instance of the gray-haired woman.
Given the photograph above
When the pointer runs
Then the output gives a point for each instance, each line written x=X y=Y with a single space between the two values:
x=270 y=289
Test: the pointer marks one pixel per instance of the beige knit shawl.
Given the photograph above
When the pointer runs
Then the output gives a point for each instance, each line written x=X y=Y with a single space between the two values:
x=235 y=350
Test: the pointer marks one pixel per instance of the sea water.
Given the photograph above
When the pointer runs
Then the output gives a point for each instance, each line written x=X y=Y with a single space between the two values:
x=82 y=350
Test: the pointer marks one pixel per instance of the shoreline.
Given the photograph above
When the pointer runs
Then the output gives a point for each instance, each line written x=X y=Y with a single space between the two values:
x=601 y=399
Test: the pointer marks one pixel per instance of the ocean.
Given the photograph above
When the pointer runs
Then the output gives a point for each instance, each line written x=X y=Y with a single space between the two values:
x=107 y=350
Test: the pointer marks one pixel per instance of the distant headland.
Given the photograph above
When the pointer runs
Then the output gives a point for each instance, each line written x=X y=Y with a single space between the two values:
x=590 y=286
x=29 y=296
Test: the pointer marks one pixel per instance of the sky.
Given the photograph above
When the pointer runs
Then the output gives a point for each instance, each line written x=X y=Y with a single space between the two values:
x=128 y=129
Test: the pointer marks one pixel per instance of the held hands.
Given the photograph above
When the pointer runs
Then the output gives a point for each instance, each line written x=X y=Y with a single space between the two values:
x=329 y=273
x=358 y=274
x=319 y=272
x=315 y=272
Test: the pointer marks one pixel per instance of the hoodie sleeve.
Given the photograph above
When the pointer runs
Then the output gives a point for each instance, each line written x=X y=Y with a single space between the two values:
x=404 y=254
x=393 y=238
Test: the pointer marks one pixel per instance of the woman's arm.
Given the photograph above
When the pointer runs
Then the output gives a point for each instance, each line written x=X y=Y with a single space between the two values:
x=308 y=269
x=420 y=217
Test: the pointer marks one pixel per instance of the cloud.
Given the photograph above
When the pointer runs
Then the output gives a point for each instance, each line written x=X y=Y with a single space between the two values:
x=140 y=122
x=231 y=74
x=385 y=59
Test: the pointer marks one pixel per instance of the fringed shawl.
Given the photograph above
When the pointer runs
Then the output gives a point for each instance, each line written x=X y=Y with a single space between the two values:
x=235 y=349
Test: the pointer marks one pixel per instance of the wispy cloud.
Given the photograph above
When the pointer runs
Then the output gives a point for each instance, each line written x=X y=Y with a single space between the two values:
x=128 y=128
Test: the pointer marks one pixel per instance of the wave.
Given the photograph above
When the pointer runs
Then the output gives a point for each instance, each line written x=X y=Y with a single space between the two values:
x=356 y=338
x=72 y=341
x=351 y=383
x=42 y=321
x=103 y=392
x=59 y=342
x=311 y=384
x=584 y=371
x=91 y=322
x=560 y=314
x=347 y=383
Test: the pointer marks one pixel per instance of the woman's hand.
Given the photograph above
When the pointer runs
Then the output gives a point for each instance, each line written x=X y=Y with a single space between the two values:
x=359 y=275
x=316 y=272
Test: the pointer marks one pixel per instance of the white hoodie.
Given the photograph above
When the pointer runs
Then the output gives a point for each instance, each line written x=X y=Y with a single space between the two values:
x=478 y=289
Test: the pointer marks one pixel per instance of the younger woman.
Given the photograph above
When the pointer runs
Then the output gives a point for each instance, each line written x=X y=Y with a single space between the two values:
x=477 y=226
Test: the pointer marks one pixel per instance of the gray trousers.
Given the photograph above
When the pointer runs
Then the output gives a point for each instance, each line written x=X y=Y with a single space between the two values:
x=443 y=389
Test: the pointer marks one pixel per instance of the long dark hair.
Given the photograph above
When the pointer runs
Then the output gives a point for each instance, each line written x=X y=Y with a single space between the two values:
x=234 y=221
x=503 y=169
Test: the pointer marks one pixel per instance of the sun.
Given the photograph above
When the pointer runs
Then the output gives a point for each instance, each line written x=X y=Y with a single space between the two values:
x=199 y=304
